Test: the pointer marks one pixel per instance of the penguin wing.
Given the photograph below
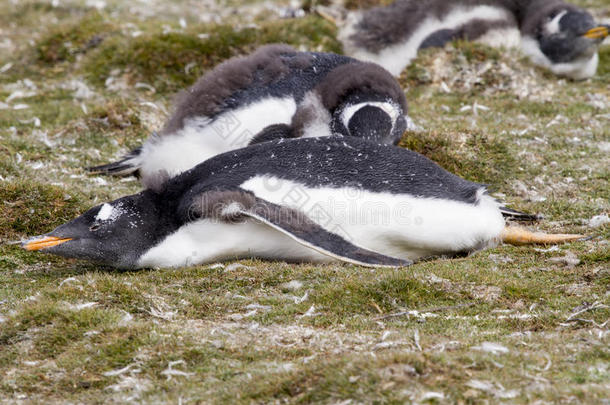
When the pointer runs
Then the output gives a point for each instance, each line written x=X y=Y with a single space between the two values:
x=271 y=132
x=128 y=165
x=234 y=205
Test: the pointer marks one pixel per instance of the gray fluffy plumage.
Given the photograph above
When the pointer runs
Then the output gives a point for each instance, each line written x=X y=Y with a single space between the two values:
x=384 y=26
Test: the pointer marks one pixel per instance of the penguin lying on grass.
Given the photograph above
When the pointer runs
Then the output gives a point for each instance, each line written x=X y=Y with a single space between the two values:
x=287 y=93
x=556 y=35
x=562 y=38
x=306 y=200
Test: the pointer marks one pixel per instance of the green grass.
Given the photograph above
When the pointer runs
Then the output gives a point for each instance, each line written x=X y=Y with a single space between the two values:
x=77 y=332
x=161 y=59
x=31 y=208
x=65 y=42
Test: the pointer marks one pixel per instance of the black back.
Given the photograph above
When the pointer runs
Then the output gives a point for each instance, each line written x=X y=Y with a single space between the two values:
x=322 y=162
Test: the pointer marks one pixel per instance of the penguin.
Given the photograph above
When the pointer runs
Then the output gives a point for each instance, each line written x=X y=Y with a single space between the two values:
x=286 y=93
x=318 y=200
x=553 y=34
x=562 y=38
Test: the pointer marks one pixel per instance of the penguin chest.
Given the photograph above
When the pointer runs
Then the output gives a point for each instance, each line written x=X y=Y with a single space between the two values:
x=209 y=240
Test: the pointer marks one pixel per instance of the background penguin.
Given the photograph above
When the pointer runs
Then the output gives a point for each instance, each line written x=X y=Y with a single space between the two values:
x=554 y=34
x=561 y=37
x=308 y=199
x=289 y=93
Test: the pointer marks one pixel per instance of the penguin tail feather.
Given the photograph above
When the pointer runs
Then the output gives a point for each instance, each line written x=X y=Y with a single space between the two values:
x=516 y=235
x=127 y=166
x=515 y=215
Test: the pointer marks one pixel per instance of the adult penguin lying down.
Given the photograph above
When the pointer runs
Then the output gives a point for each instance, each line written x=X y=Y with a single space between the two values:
x=307 y=200
x=553 y=34
x=276 y=89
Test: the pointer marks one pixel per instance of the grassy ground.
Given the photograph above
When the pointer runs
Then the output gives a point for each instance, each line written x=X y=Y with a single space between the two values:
x=80 y=85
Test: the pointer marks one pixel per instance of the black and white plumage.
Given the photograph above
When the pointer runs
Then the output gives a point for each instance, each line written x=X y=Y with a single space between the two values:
x=309 y=199
x=277 y=89
x=562 y=38
x=554 y=34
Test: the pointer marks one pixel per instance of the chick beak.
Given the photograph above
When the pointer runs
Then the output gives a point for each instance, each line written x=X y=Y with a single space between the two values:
x=44 y=242
x=600 y=32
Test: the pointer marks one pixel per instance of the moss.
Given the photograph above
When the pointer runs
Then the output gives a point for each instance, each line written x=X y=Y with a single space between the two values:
x=61 y=336
x=539 y=110
x=480 y=158
x=311 y=33
x=310 y=5
x=599 y=257
x=355 y=296
x=416 y=74
x=364 y=4
x=116 y=116
x=55 y=107
x=603 y=69
x=161 y=59
x=460 y=54
x=31 y=208
x=476 y=52
x=34 y=12
x=64 y=42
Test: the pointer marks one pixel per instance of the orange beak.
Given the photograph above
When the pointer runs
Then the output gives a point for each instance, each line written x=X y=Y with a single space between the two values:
x=45 y=242
x=600 y=32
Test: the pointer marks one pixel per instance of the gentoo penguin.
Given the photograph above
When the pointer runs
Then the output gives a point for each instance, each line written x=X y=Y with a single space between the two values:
x=307 y=199
x=290 y=94
x=554 y=34
x=561 y=37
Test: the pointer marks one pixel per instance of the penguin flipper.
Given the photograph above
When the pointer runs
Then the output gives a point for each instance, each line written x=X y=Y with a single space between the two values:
x=439 y=38
x=299 y=227
x=271 y=132
x=232 y=205
x=124 y=167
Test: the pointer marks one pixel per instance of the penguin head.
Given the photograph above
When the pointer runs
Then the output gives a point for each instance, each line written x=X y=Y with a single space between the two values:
x=563 y=38
x=115 y=233
x=380 y=121
x=364 y=101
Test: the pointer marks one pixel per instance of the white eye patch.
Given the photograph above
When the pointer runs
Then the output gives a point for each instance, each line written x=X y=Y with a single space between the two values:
x=104 y=213
x=552 y=27
x=108 y=213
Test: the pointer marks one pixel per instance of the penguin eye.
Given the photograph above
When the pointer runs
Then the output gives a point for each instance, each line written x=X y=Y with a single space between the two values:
x=95 y=227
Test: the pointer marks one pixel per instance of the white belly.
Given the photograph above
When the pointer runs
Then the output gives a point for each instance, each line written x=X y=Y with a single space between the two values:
x=401 y=226
x=398 y=56
x=208 y=241
x=201 y=138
